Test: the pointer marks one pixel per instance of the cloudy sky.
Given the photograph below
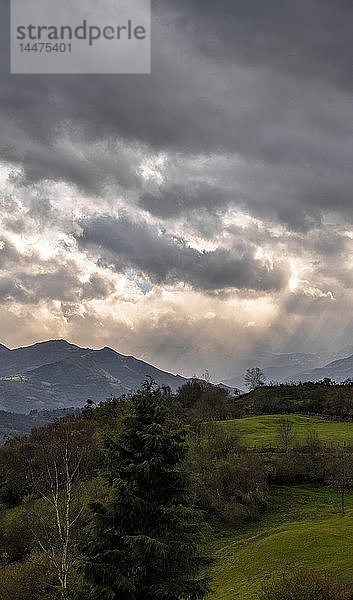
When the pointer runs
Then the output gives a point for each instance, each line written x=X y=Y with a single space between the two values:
x=196 y=215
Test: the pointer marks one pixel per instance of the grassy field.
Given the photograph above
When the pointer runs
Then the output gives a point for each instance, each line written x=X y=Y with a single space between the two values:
x=304 y=528
x=261 y=431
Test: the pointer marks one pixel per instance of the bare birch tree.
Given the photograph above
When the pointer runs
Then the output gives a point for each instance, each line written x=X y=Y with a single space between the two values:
x=61 y=465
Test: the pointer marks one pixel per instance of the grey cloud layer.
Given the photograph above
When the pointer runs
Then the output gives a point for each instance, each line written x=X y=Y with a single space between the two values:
x=297 y=132
x=167 y=259
x=27 y=278
x=172 y=200
x=311 y=38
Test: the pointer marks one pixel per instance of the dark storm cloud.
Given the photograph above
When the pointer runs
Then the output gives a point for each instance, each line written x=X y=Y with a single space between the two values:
x=173 y=200
x=66 y=158
x=61 y=284
x=98 y=287
x=168 y=259
x=266 y=81
x=331 y=244
x=308 y=37
x=28 y=288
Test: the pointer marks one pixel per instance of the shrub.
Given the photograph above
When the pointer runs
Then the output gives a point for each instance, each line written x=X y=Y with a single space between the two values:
x=27 y=581
x=304 y=585
x=230 y=483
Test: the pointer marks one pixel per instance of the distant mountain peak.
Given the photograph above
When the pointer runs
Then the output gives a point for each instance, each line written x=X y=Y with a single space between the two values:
x=56 y=374
x=58 y=342
x=106 y=350
x=338 y=370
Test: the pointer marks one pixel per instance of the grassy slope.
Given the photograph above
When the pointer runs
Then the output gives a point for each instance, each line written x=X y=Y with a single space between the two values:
x=262 y=430
x=84 y=493
x=304 y=528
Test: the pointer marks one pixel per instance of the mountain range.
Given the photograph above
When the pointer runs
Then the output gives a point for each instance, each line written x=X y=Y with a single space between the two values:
x=337 y=370
x=55 y=374
x=295 y=367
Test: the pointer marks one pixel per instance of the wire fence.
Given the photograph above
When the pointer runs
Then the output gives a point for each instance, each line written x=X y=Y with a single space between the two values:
x=320 y=445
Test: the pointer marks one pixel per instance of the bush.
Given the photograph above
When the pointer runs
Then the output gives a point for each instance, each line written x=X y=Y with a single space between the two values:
x=304 y=585
x=27 y=581
x=230 y=483
x=16 y=539
x=298 y=466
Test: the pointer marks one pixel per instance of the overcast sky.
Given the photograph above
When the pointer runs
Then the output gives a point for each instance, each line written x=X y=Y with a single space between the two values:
x=196 y=215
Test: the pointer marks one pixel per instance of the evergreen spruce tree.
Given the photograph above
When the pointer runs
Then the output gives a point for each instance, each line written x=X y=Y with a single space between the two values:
x=143 y=542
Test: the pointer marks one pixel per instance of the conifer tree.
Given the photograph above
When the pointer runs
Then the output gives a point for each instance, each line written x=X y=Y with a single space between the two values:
x=143 y=541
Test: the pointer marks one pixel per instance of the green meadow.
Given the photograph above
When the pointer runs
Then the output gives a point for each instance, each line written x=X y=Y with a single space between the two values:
x=304 y=528
x=261 y=431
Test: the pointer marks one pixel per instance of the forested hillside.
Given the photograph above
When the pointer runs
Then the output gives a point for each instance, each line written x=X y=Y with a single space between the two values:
x=247 y=508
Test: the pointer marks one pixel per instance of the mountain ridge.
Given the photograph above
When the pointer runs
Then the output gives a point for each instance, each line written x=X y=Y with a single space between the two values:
x=338 y=370
x=277 y=367
x=55 y=374
x=291 y=367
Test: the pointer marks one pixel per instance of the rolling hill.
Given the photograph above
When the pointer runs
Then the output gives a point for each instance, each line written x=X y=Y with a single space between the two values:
x=56 y=374
x=304 y=528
